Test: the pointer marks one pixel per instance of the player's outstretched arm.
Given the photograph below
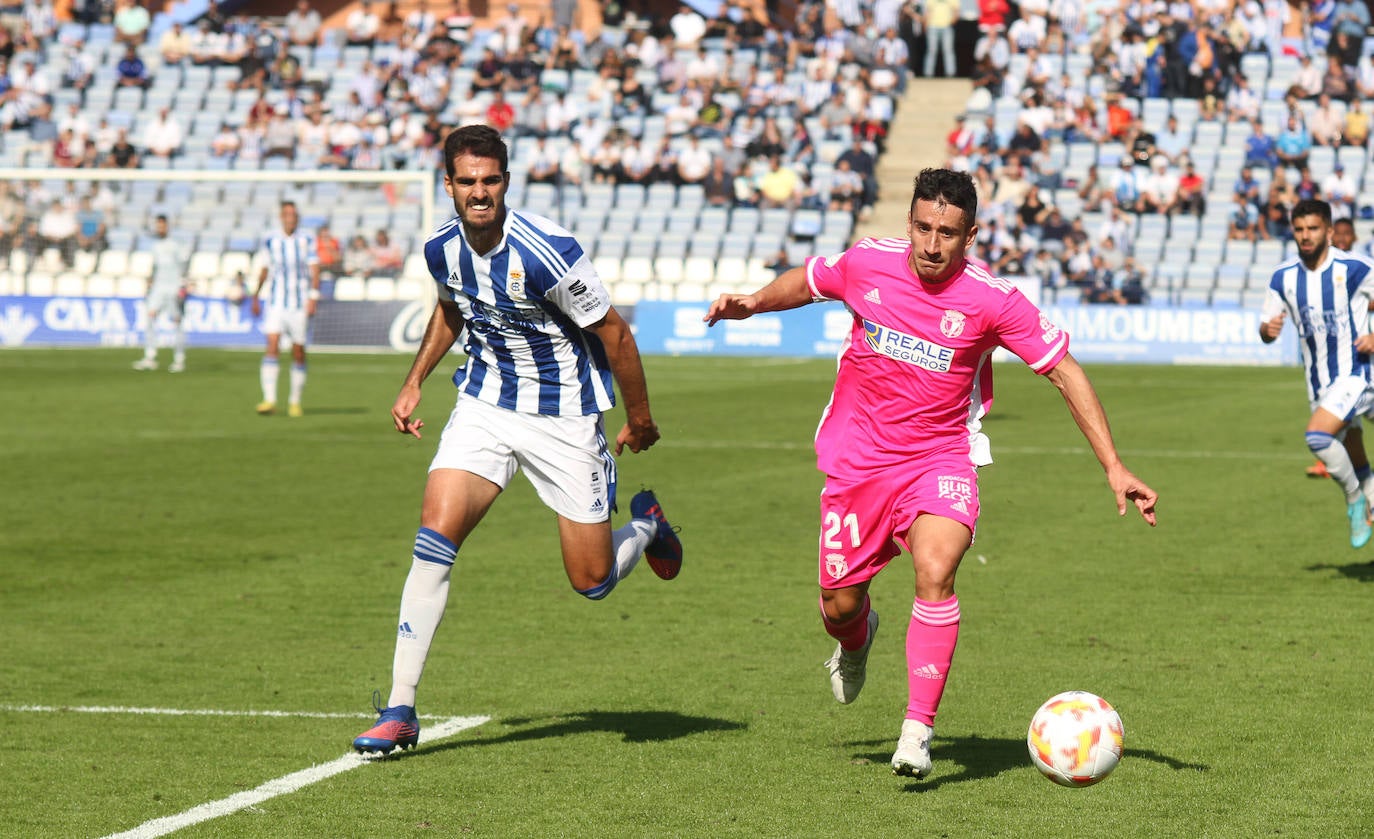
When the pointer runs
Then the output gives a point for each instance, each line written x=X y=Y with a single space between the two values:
x=622 y=353
x=1088 y=413
x=788 y=291
x=443 y=329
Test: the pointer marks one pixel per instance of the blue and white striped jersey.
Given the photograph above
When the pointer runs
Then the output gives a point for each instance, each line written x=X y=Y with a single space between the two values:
x=1330 y=309
x=288 y=260
x=526 y=304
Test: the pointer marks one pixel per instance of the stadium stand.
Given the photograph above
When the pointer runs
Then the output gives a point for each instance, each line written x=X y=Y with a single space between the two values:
x=605 y=131
x=1171 y=139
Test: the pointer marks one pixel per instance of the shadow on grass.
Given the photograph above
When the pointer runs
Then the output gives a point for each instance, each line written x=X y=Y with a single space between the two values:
x=635 y=726
x=986 y=757
x=1359 y=571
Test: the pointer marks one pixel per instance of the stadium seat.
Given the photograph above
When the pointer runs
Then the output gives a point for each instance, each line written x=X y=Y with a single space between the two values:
x=411 y=288
x=637 y=269
x=100 y=285
x=732 y=270
x=691 y=292
x=608 y=269
x=627 y=294
x=69 y=284
x=203 y=267
x=11 y=284
x=232 y=263
x=668 y=269
x=130 y=286
x=415 y=267
x=39 y=284
x=349 y=288
x=698 y=269
x=379 y=288
x=141 y=264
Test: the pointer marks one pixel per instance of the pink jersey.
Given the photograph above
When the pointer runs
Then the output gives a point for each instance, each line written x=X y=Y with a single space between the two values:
x=913 y=373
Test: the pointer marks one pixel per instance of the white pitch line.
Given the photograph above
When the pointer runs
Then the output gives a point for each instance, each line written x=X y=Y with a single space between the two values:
x=176 y=712
x=284 y=785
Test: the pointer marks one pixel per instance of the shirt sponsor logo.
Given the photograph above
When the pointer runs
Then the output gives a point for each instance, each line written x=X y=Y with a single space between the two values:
x=907 y=348
x=952 y=324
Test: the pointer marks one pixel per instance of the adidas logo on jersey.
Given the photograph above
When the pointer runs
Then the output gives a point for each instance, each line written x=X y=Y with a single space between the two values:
x=927 y=671
x=872 y=297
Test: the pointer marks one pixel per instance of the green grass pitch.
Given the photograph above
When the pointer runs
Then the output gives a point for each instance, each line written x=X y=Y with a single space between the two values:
x=163 y=547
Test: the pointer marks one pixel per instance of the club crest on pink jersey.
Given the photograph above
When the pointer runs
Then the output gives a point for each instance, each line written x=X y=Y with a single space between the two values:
x=952 y=323
x=836 y=566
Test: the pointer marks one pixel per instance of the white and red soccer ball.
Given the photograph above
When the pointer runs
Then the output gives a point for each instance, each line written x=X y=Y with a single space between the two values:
x=1075 y=739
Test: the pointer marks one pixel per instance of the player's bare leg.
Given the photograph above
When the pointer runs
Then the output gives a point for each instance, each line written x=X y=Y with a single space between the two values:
x=297 y=381
x=1322 y=431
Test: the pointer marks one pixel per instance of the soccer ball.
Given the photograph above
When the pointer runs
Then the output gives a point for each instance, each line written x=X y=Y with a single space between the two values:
x=1075 y=739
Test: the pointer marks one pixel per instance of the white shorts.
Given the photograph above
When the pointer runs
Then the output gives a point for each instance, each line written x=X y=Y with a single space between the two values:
x=289 y=322
x=165 y=301
x=1346 y=397
x=565 y=458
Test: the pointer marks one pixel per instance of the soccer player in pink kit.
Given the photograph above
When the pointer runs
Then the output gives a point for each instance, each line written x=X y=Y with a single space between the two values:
x=899 y=442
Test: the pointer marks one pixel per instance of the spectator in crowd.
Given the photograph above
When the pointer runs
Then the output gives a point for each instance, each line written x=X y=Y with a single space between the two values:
x=58 y=228
x=279 y=135
x=939 y=19
x=688 y=27
x=1308 y=82
x=163 y=136
x=1242 y=103
x=1325 y=122
x=1307 y=187
x=303 y=25
x=1244 y=220
x=358 y=260
x=387 y=259
x=1126 y=187
x=1172 y=143
x=1260 y=150
x=1161 y=190
x=131 y=70
x=1340 y=191
x=863 y=163
x=1337 y=81
x=131 y=22
x=1294 y=144
x=328 y=251
x=489 y=75
x=500 y=114
x=719 y=184
x=1248 y=187
x=543 y=162
x=90 y=226
x=779 y=186
x=122 y=154
x=78 y=70
x=175 y=45
x=1192 y=191
x=1356 y=131
x=362 y=26
x=225 y=143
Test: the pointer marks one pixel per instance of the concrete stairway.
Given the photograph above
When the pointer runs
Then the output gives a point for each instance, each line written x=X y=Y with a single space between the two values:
x=915 y=140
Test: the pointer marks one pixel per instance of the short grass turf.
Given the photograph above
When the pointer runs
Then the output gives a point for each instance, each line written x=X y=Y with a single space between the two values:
x=164 y=547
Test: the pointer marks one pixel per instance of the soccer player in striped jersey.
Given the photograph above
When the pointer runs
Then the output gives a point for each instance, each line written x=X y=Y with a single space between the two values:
x=1327 y=292
x=543 y=345
x=1343 y=239
x=291 y=273
x=899 y=441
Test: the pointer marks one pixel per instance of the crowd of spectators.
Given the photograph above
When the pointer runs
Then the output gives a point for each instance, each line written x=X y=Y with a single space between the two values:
x=758 y=112
x=1123 y=56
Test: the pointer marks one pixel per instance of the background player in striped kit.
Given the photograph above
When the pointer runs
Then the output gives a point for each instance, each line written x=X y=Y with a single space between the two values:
x=166 y=296
x=291 y=272
x=1327 y=293
x=899 y=442
x=543 y=344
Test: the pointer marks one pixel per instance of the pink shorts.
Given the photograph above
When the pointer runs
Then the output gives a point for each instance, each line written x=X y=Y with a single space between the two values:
x=861 y=521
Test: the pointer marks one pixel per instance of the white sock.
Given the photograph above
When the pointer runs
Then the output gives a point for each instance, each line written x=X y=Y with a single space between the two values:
x=629 y=543
x=422 y=609
x=297 y=383
x=267 y=374
x=1337 y=462
x=150 y=340
x=179 y=347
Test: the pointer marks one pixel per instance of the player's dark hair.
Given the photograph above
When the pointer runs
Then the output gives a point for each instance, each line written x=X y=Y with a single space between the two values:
x=1347 y=222
x=478 y=141
x=1311 y=207
x=160 y=217
x=288 y=203
x=946 y=186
